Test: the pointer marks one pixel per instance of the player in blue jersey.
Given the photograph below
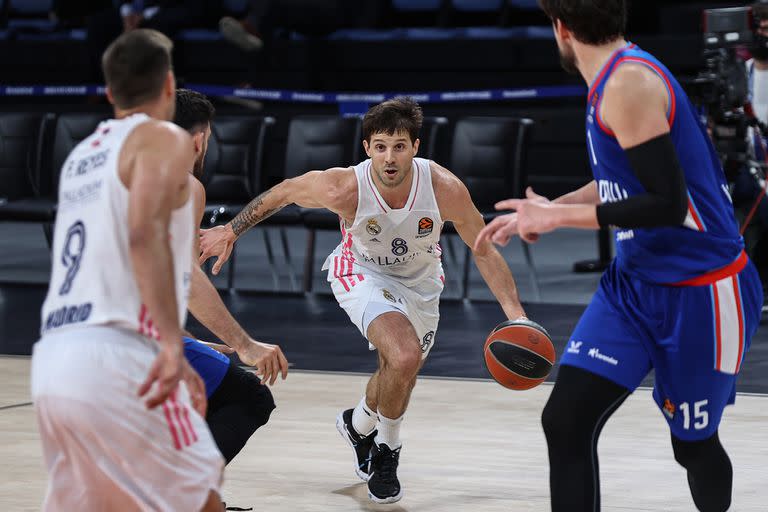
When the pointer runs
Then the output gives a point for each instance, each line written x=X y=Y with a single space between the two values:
x=238 y=402
x=681 y=297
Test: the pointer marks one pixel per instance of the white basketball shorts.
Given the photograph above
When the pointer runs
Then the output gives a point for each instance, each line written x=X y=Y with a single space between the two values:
x=103 y=448
x=365 y=296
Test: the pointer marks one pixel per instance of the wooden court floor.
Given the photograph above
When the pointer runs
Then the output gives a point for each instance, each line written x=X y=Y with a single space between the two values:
x=468 y=446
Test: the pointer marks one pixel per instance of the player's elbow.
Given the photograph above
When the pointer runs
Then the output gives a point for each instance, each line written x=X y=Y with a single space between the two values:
x=143 y=236
x=483 y=250
x=678 y=208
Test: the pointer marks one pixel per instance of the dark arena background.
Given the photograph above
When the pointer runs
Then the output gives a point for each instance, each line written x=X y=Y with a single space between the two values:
x=500 y=113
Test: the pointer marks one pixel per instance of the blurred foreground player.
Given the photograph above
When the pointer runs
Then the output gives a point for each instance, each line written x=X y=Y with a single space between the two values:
x=109 y=378
x=681 y=297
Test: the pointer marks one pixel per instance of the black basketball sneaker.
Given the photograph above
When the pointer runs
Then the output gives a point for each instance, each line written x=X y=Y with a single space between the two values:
x=383 y=485
x=361 y=445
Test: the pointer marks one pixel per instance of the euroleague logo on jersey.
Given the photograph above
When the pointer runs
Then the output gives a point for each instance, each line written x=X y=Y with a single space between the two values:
x=426 y=225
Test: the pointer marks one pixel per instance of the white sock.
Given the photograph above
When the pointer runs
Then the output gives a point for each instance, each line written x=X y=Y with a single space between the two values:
x=389 y=431
x=363 y=418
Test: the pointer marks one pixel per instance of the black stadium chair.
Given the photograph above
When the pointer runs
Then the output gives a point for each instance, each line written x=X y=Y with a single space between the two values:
x=21 y=140
x=54 y=141
x=233 y=169
x=489 y=154
x=318 y=143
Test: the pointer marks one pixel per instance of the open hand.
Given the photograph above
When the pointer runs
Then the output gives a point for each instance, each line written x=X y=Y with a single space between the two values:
x=217 y=241
x=501 y=229
x=268 y=360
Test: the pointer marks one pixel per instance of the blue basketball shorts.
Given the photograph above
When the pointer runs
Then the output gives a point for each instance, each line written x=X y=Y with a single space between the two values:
x=693 y=337
x=208 y=363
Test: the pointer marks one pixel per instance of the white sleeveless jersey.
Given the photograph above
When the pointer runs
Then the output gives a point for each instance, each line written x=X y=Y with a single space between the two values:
x=399 y=243
x=92 y=280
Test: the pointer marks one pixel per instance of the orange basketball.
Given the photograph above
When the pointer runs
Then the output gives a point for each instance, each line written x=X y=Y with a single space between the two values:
x=519 y=354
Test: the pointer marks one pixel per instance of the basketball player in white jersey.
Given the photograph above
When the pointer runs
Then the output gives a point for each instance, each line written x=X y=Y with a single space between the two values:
x=195 y=113
x=238 y=402
x=386 y=272
x=109 y=379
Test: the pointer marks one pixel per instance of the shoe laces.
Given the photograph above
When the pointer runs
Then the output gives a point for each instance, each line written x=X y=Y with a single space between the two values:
x=387 y=462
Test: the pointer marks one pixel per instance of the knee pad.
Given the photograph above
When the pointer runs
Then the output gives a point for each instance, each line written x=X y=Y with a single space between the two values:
x=690 y=453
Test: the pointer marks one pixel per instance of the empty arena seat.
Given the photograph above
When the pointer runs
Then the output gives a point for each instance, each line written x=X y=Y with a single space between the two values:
x=477 y=5
x=53 y=138
x=30 y=7
x=489 y=154
x=431 y=33
x=366 y=34
x=199 y=34
x=525 y=13
x=318 y=143
x=508 y=33
x=29 y=15
x=530 y=5
x=476 y=12
x=417 y=5
x=233 y=169
x=415 y=13
x=236 y=6
x=233 y=165
x=20 y=141
x=431 y=137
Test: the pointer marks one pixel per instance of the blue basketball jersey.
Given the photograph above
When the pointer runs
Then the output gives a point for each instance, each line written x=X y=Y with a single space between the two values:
x=709 y=240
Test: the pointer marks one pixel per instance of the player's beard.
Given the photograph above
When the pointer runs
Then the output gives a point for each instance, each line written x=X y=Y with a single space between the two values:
x=197 y=169
x=568 y=60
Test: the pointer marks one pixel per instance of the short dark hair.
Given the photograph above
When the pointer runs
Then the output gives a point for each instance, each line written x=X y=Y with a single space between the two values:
x=193 y=110
x=401 y=114
x=135 y=66
x=591 y=21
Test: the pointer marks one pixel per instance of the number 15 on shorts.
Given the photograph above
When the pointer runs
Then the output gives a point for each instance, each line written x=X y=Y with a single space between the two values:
x=700 y=416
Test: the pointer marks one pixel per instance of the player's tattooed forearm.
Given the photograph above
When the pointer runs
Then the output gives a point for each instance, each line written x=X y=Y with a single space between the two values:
x=252 y=214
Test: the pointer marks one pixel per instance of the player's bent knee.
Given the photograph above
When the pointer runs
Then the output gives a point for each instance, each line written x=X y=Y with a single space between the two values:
x=562 y=421
x=406 y=360
x=693 y=453
x=559 y=426
x=262 y=404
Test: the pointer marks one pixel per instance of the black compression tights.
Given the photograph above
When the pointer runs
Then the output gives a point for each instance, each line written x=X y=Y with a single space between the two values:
x=580 y=404
x=239 y=406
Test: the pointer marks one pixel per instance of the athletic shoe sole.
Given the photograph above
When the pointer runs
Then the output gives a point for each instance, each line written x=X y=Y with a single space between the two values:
x=391 y=499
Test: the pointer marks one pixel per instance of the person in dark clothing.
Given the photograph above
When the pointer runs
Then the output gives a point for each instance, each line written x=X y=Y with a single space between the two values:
x=166 y=16
x=309 y=17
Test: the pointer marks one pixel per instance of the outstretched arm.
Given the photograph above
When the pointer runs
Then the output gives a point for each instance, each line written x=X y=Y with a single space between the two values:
x=456 y=205
x=315 y=189
x=206 y=306
x=634 y=106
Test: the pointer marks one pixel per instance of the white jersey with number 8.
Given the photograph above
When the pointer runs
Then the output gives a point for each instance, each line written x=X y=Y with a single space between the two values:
x=402 y=244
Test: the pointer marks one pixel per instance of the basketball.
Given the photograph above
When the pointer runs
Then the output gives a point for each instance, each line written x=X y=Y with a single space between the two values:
x=519 y=354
